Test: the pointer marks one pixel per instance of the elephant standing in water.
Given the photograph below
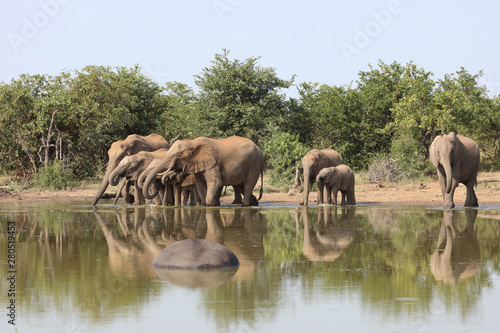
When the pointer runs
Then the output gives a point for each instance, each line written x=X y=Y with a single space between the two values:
x=131 y=145
x=335 y=179
x=457 y=255
x=312 y=163
x=456 y=158
x=232 y=161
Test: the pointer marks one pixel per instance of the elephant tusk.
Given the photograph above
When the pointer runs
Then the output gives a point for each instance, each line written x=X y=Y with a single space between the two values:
x=161 y=174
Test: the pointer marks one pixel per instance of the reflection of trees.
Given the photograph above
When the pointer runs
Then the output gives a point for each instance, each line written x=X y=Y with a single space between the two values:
x=333 y=235
x=457 y=255
x=63 y=264
x=133 y=245
x=74 y=260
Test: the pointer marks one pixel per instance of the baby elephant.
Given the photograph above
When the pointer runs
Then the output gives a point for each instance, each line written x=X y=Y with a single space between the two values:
x=334 y=179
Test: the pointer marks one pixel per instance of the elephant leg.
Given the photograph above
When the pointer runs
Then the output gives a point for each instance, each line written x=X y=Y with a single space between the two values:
x=471 y=199
x=328 y=192
x=238 y=200
x=177 y=195
x=185 y=196
x=129 y=199
x=334 y=194
x=201 y=188
x=320 y=196
x=321 y=189
x=214 y=186
x=344 y=194
x=139 y=199
x=165 y=198
x=351 y=199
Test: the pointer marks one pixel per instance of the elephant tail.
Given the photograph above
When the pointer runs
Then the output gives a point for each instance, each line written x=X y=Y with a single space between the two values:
x=261 y=184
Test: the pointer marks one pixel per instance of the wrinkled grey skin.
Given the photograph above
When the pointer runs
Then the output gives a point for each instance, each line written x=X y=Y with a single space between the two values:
x=312 y=163
x=335 y=179
x=456 y=158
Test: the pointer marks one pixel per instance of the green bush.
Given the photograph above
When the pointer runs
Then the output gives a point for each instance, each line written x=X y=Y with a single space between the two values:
x=283 y=151
x=55 y=176
x=410 y=155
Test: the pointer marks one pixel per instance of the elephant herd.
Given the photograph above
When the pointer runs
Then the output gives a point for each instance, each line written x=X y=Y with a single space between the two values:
x=196 y=170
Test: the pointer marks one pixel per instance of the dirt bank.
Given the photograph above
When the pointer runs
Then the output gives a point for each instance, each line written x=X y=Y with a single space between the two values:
x=426 y=192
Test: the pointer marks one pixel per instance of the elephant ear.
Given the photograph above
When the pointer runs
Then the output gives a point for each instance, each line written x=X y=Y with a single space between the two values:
x=203 y=157
x=189 y=180
x=433 y=151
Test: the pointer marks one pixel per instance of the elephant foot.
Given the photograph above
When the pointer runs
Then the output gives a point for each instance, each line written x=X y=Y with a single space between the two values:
x=449 y=206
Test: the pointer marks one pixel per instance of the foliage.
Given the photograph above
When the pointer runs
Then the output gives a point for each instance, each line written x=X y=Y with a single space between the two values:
x=239 y=97
x=283 y=152
x=391 y=108
x=54 y=176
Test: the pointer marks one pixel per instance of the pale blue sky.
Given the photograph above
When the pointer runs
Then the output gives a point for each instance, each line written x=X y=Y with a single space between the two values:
x=320 y=41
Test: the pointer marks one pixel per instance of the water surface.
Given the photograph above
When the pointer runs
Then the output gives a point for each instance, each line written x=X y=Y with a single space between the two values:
x=385 y=268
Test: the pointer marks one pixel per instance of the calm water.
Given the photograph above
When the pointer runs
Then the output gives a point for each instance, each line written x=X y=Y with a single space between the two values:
x=373 y=268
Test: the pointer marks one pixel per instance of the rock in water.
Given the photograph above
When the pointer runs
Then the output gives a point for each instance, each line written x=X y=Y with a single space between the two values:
x=195 y=254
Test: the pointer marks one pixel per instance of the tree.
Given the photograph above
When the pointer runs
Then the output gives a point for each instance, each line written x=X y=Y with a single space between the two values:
x=180 y=115
x=239 y=97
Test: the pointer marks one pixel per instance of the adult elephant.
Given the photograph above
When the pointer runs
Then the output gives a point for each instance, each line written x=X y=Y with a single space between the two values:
x=130 y=167
x=131 y=145
x=232 y=161
x=312 y=163
x=456 y=158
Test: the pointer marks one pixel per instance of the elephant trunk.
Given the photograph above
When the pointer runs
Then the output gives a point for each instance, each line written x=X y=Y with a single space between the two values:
x=142 y=177
x=449 y=176
x=307 y=186
x=147 y=183
x=104 y=185
x=114 y=177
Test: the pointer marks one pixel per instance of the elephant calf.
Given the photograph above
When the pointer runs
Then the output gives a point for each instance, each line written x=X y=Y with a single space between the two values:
x=334 y=179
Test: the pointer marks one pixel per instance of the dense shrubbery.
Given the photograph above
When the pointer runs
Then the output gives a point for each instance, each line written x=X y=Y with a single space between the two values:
x=392 y=110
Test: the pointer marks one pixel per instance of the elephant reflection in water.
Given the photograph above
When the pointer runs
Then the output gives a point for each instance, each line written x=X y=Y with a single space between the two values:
x=242 y=231
x=457 y=256
x=134 y=245
x=332 y=236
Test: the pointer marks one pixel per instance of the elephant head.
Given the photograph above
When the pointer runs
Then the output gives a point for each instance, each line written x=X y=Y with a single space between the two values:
x=130 y=167
x=188 y=157
x=330 y=175
x=312 y=163
x=131 y=145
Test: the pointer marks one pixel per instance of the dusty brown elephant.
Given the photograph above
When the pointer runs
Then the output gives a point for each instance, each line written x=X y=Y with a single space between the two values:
x=312 y=163
x=131 y=166
x=232 y=161
x=131 y=145
x=456 y=158
x=458 y=254
x=335 y=179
